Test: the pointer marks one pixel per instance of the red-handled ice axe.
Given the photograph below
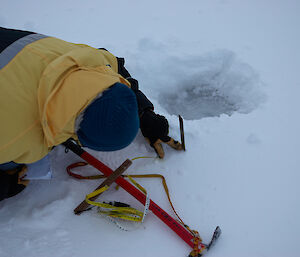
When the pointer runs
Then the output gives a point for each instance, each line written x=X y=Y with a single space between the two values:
x=181 y=230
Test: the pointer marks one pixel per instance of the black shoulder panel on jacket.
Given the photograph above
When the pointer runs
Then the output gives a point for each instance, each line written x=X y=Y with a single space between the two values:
x=8 y=36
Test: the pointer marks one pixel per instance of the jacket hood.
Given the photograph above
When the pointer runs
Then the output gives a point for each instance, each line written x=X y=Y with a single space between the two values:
x=67 y=87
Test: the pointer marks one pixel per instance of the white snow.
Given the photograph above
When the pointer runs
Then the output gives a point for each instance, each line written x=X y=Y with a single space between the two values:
x=231 y=68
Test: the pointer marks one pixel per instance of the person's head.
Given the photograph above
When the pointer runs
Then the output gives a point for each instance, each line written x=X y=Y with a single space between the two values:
x=110 y=122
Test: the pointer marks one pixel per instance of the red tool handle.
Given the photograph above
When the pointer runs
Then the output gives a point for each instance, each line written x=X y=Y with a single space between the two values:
x=177 y=227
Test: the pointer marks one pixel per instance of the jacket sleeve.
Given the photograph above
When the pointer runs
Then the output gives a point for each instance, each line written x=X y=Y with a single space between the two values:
x=143 y=102
x=4 y=185
x=9 y=185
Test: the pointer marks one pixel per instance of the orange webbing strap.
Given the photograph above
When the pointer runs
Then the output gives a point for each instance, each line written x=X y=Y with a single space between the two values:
x=78 y=176
x=198 y=246
x=197 y=239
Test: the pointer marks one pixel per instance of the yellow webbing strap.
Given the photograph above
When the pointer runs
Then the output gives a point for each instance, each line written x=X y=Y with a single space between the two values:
x=143 y=157
x=136 y=183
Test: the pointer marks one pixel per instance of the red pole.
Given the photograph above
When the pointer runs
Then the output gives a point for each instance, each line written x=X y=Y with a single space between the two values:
x=177 y=227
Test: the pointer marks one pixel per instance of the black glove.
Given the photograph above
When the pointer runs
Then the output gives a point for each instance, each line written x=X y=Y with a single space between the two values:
x=155 y=128
x=12 y=182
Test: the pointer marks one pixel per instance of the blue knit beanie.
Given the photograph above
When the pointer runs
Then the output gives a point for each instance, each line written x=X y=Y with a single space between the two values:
x=111 y=122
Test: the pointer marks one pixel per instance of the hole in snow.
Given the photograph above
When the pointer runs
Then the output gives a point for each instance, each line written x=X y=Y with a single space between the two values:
x=196 y=102
x=210 y=85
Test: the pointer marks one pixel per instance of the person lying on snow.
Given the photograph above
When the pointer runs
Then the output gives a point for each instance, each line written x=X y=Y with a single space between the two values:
x=53 y=90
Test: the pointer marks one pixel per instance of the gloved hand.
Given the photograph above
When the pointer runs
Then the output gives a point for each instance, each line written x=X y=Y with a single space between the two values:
x=155 y=128
x=12 y=182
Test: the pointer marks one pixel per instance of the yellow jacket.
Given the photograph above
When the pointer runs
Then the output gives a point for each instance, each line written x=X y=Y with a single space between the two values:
x=42 y=91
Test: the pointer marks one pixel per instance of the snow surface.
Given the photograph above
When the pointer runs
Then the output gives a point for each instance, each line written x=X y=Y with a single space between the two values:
x=231 y=68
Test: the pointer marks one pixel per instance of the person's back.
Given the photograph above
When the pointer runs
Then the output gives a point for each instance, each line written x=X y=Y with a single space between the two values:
x=45 y=83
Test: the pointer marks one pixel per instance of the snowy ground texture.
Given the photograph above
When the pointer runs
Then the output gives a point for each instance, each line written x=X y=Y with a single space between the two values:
x=231 y=69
